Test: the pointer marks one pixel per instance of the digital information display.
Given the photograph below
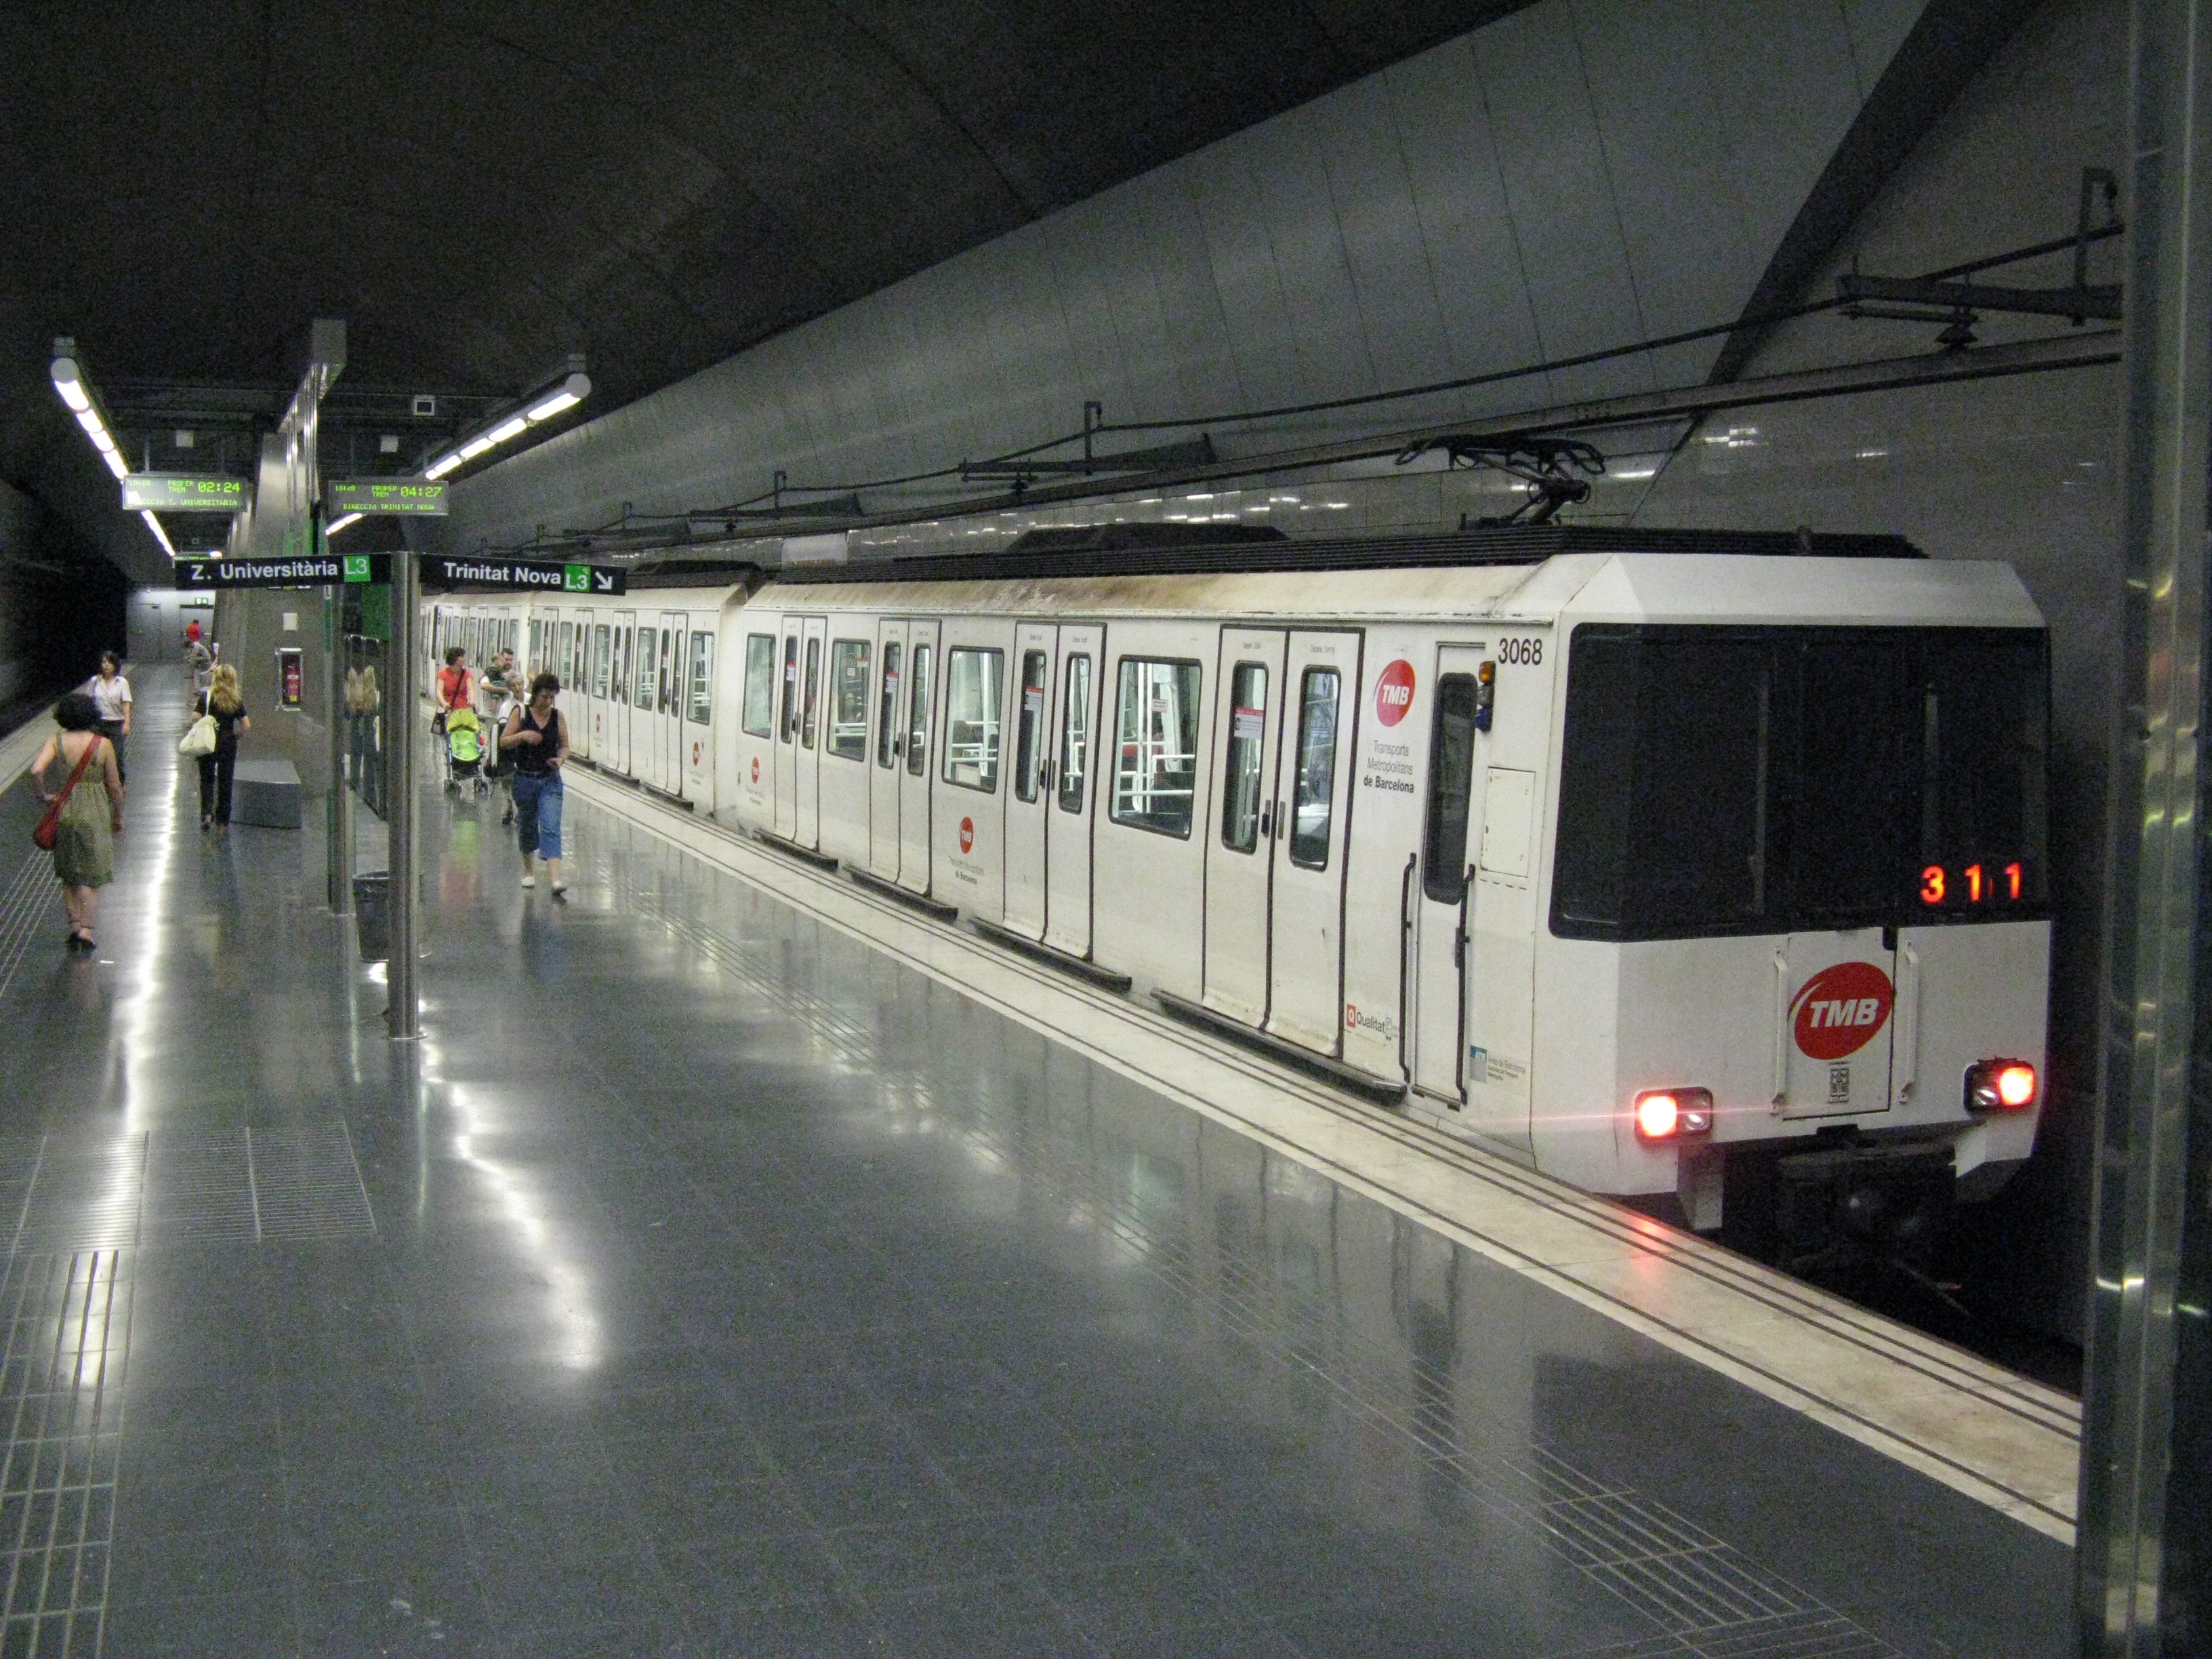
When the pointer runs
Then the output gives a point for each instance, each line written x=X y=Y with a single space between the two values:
x=497 y=575
x=308 y=571
x=1971 y=883
x=179 y=492
x=408 y=495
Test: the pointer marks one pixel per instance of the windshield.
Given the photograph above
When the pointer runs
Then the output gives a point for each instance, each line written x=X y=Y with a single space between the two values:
x=1769 y=780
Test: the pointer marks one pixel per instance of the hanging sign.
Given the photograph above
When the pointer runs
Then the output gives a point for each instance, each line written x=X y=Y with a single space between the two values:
x=179 y=492
x=291 y=677
x=406 y=496
x=309 y=570
x=534 y=573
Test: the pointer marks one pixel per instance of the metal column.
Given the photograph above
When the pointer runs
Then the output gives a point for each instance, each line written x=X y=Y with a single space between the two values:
x=402 y=710
x=338 y=816
x=2145 y=1555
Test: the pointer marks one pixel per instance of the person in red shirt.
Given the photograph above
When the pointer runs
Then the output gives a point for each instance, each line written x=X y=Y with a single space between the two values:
x=457 y=686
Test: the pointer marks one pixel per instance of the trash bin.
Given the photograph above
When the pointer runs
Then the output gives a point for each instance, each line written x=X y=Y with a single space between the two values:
x=371 y=912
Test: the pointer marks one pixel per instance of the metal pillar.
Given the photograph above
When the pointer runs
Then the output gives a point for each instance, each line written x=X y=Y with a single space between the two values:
x=2145 y=1571
x=402 y=709
x=338 y=814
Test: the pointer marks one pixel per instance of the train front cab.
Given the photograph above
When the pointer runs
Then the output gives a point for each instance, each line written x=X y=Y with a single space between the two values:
x=1797 y=899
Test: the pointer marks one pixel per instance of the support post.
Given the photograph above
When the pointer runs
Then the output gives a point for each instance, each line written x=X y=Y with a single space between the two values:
x=338 y=813
x=2144 y=1559
x=402 y=714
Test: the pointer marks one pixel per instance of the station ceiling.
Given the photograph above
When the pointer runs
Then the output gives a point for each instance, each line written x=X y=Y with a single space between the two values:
x=479 y=189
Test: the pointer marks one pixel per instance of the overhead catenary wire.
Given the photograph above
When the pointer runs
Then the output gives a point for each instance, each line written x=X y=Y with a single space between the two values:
x=1331 y=405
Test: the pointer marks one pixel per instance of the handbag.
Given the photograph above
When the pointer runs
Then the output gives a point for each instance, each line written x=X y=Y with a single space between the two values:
x=49 y=828
x=199 y=737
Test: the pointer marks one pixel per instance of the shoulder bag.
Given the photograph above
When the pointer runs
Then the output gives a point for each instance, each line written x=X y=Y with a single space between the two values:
x=199 y=737
x=49 y=828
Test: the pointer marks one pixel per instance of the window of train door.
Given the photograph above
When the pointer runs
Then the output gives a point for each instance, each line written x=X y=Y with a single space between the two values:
x=1306 y=902
x=1441 y=957
x=810 y=703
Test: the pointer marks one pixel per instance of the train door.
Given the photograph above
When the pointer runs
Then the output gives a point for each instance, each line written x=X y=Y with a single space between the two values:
x=1029 y=806
x=695 y=735
x=920 y=697
x=644 y=685
x=1239 y=847
x=809 y=793
x=626 y=747
x=884 y=769
x=1305 y=913
x=1444 y=962
x=1067 y=821
x=601 y=675
x=786 y=731
x=668 y=731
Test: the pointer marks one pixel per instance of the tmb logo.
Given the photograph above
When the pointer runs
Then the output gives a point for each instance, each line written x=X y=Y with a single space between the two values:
x=1839 y=1009
x=967 y=833
x=756 y=768
x=1394 y=692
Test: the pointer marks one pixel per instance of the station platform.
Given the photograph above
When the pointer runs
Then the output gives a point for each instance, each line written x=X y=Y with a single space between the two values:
x=743 y=1264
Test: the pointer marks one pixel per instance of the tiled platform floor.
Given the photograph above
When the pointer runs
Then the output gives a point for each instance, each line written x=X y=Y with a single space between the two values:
x=705 y=1284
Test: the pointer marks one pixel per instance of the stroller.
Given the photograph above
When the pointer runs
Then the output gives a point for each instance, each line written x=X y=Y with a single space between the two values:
x=464 y=752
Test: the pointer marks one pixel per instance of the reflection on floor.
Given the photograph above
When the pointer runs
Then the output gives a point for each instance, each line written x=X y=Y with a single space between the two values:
x=705 y=1282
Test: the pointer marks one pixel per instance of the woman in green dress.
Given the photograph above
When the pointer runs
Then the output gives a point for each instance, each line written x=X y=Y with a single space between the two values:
x=84 y=854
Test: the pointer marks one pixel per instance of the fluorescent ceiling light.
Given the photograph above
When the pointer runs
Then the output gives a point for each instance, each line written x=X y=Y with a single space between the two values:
x=336 y=524
x=115 y=464
x=159 y=534
x=89 y=420
x=470 y=451
x=553 y=405
x=438 y=469
x=506 y=429
x=72 y=390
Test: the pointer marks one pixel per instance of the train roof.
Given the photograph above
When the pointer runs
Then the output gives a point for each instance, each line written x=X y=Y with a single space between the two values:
x=1168 y=548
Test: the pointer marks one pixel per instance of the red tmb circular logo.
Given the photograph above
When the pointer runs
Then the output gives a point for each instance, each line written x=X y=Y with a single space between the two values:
x=1394 y=692
x=967 y=833
x=1839 y=1009
x=756 y=768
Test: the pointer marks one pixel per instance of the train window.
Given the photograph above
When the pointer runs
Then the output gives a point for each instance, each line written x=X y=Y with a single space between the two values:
x=567 y=649
x=702 y=678
x=645 y=667
x=1451 y=779
x=602 y=651
x=760 y=685
x=1313 y=801
x=973 y=699
x=887 y=714
x=1156 y=766
x=849 y=699
x=1240 y=778
x=1074 y=733
x=1719 y=779
x=810 y=707
x=791 y=688
x=671 y=643
x=917 y=720
x=1028 y=725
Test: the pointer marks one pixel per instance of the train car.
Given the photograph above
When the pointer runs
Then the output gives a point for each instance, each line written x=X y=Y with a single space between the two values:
x=1654 y=858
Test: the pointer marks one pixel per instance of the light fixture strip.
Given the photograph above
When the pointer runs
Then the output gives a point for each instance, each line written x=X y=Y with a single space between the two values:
x=566 y=394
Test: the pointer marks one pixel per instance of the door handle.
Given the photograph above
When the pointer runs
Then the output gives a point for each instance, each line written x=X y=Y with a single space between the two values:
x=1907 y=1063
x=1781 y=1027
x=1459 y=932
x=1268 y=822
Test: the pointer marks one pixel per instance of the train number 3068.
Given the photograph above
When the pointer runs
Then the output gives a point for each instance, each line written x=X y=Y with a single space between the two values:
x=1528 y=651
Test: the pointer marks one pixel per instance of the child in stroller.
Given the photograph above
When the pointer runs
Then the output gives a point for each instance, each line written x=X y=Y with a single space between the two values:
x=464 y=751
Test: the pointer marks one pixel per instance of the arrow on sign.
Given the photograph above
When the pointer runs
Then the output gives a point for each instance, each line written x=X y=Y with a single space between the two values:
x=605 y=579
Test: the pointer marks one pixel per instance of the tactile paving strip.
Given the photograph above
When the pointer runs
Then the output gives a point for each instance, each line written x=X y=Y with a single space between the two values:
x=1709 y=1600
x=30 y=905
x=61 y=1405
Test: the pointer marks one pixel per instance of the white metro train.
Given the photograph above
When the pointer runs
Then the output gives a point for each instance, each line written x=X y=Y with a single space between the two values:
x=1636 y=852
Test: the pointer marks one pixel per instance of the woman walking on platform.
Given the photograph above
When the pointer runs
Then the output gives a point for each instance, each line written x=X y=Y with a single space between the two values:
x=538 y=737
x=84 y=854
x=111 y=696
x=222 y=703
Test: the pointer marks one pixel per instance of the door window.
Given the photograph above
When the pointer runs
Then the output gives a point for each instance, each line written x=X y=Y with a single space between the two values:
x=887 y=714
x=602 y=650
x=645 y=648
x=1313 y=801
x=1075 y=732
x=1156 y=770
x=1451 y=777
x=917 y=720
x=671 y=642
x=1028 y=729
x=567 y=648
x=791 y=688
x=973 y=683
x=702 y=678
x=760 y=685
x=849 y=699
x=1241 y=782
x=810 y=719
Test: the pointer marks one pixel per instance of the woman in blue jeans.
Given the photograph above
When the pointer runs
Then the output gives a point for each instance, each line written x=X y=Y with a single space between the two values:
x=536 y=736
